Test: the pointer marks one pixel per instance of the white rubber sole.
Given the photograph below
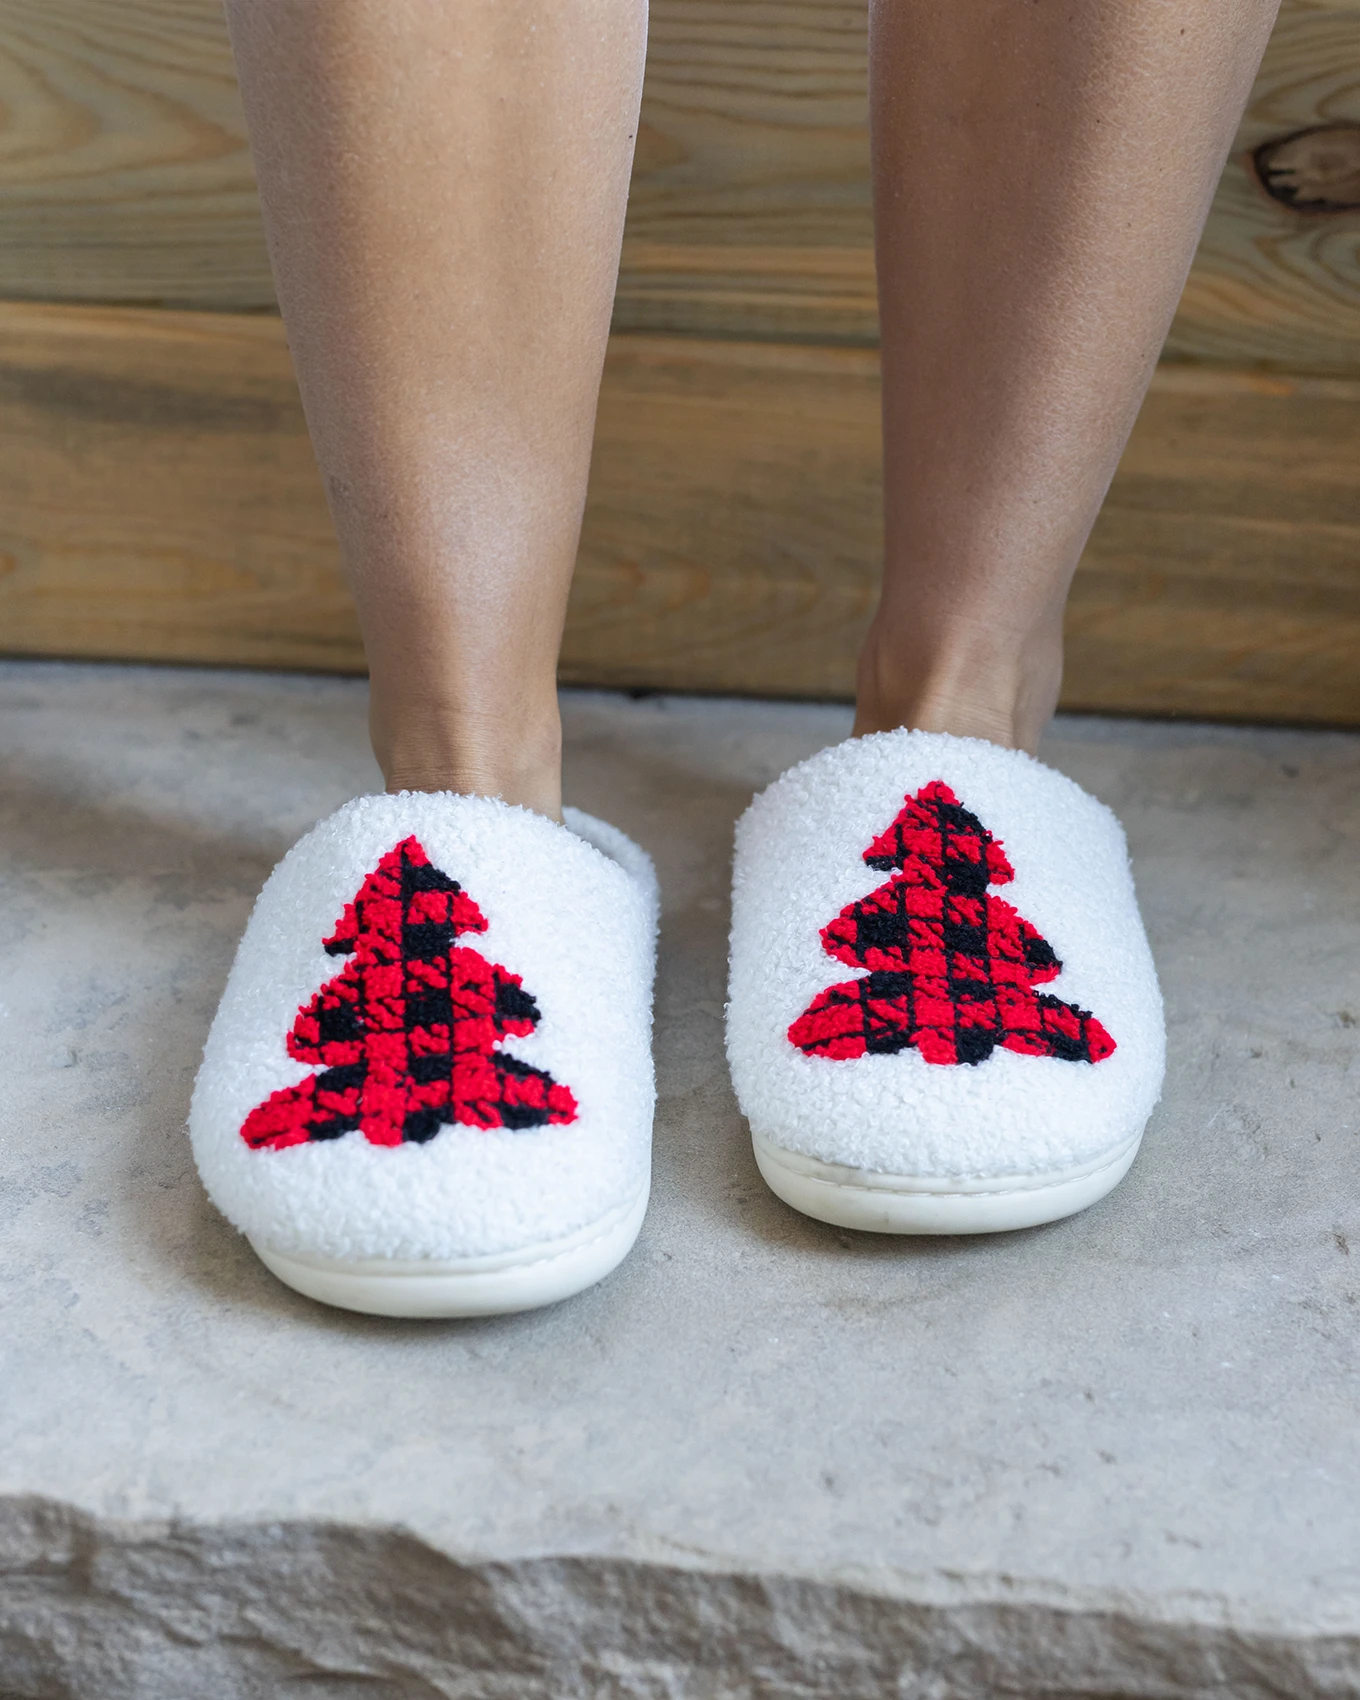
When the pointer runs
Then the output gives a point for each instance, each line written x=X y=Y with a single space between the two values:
x=922 y=1204
x=471 y=1286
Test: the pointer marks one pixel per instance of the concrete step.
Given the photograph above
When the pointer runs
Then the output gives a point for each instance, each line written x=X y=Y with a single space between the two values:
x=1113 y=1457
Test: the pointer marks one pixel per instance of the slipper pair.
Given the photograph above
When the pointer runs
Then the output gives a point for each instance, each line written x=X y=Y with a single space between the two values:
x=428 y=1090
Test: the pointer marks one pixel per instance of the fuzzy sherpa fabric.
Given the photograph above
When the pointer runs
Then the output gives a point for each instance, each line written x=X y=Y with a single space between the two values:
x=800 y=863
x=569 y=910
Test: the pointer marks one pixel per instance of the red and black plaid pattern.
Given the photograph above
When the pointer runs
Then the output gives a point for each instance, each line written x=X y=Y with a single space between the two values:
x=951 y=968
x=406 y=1035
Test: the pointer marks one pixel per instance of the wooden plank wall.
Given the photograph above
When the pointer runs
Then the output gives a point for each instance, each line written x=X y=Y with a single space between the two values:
x=157 y=497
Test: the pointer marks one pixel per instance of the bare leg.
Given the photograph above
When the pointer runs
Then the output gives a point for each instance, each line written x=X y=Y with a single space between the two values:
x=1041 y=174
x=444 y=187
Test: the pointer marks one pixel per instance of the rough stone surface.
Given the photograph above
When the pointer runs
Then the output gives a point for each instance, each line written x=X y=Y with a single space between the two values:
x=1115 y=1457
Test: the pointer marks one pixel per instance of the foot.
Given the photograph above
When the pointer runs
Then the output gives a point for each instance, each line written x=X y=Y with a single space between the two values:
x=972 y=682
x=425 y=745
x=428 y=1089
x=915 y=1051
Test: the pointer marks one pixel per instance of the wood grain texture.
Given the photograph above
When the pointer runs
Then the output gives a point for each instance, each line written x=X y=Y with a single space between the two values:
x=750 y=211
x=158 y=500
x=124 y=176
x=1223 y=576
x=124 y=169
x=158 y=496
x=1271 y=284
x=731 y=537
x=787 y=293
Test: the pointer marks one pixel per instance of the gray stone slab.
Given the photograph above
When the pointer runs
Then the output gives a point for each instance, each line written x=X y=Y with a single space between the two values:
x=1113 y=1457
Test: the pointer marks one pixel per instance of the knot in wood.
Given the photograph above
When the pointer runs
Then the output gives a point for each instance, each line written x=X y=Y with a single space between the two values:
x=1313 y=171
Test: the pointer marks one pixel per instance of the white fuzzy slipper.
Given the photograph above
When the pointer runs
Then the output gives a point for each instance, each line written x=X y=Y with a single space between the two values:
x=915 y=1052
x=428 y=1090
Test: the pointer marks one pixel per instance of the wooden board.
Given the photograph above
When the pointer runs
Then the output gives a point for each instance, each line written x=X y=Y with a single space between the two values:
x=124 y=169
x=158 y=500
x=1269 y=283
x=124 y=176
x=750 y=212
x=158 y=496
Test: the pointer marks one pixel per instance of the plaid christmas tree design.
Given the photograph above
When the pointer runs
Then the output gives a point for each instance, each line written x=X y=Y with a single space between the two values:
x=951 y=968
x=406 y=1035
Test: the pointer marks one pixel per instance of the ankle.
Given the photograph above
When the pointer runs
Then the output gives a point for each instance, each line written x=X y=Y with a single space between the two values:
x=446 y=751
x=928 y=711
x=976 y=684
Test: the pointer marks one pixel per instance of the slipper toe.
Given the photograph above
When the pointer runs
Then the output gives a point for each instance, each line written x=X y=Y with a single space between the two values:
x=943 y=1013
x=428 y=1089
